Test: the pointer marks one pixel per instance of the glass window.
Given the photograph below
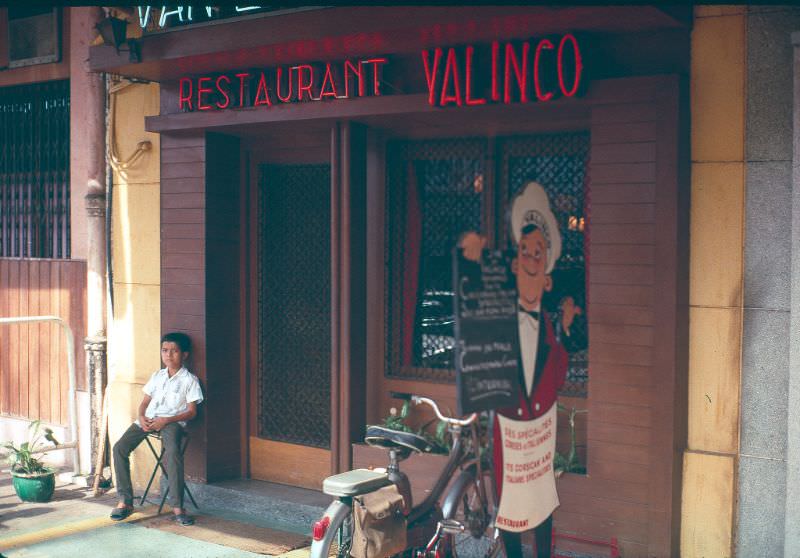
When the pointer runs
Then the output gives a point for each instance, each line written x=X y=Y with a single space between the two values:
x=438 y=190
x=436 y=194
x=33 y=35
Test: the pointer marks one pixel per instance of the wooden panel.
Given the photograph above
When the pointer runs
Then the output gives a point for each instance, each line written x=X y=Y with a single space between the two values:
x=618 y=133
x=622 y=213
x=632 y=335
x=183 y=260
x=5 y=359
x=622 y=193
x=222 y=275
x=614 y=413
x=625 y=152
x=34 y=332
x=633 y=295
x=636 y=254
x=278 y=461
x=33 y=363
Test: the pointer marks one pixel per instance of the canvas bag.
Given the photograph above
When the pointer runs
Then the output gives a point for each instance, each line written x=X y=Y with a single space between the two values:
x=380 y=526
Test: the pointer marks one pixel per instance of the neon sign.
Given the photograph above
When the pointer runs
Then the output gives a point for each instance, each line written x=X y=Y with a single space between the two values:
x=531 y=71
x=300 y=83
x=512 y=72
x=174 y=15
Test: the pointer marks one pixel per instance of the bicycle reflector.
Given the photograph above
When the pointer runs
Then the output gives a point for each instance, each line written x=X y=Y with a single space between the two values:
x=320 y=528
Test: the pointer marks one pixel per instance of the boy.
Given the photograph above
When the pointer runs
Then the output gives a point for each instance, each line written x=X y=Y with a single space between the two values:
x=170 y=399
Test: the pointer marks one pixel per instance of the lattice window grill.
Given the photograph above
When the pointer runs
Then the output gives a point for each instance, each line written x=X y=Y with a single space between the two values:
x=294 y=304
x=34 y=171
x=451 y=167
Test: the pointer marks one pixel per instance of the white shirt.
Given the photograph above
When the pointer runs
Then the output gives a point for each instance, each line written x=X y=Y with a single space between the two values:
x=528 y=345
x=171 y=396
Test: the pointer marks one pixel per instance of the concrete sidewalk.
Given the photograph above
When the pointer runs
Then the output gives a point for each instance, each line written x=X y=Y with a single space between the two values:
x=75 y=524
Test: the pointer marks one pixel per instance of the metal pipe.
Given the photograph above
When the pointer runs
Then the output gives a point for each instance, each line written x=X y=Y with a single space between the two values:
x=72 y=405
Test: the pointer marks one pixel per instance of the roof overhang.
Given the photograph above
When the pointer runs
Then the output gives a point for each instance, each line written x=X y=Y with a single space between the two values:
x=339 y=32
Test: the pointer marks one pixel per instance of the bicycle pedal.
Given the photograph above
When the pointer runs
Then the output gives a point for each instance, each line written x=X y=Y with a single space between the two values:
x=452 y=526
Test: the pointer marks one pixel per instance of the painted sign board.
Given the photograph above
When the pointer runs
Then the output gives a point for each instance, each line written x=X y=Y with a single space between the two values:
x=487 y=341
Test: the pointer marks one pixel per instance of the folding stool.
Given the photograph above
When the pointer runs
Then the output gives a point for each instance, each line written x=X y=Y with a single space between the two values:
x=184 y=443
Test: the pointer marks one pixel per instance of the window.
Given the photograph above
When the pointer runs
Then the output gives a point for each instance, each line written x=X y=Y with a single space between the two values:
x=34 y=171
x=437 y=190
x=33 y=35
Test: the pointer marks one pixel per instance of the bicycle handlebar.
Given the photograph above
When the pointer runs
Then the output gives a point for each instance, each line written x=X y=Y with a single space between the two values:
x=449 y=420
x=417 y=399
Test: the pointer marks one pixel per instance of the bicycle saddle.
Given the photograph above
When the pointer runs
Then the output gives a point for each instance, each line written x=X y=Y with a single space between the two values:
x=383 y=437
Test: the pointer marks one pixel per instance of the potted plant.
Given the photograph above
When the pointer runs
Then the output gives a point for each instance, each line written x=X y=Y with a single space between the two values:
x=33 y=481
x=570 y=463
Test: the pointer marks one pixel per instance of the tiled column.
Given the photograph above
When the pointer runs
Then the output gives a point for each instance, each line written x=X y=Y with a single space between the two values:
x=792 y=533
x=715 y=280
x=761 y=512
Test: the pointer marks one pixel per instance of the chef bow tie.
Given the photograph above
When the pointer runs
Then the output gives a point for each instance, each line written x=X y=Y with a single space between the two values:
x=532 y=313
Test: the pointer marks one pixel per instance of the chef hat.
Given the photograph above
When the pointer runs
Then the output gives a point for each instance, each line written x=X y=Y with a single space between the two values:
x=531 y=207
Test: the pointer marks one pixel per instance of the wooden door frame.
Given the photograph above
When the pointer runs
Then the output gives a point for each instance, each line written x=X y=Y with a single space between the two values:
x=255 y=157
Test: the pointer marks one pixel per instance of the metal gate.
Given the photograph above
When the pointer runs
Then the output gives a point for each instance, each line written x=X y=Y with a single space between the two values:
x=34 y=171
x=294 y=299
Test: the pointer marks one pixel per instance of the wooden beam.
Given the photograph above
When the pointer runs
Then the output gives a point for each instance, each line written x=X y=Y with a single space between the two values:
x=335 y=33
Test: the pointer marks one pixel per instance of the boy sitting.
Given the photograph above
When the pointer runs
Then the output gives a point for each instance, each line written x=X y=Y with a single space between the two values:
x=170 y=399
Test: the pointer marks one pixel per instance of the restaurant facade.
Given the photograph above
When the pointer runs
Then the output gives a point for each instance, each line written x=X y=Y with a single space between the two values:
x=312 y=171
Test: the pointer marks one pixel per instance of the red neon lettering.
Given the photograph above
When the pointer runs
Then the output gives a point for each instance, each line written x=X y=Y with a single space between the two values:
x=200 y=91
x=328 y=79
x=223 y=92
x=468 y=95
x=451 y=67
x=430 y=74
x=578 y=65
x=520 y=73
x=357 y=70
x=242 y=78
x=301 y=87
x=544 y=43
x=262 y=90
x=288 y=96
x=185 y=97
x=495 y=84
x=376 y=82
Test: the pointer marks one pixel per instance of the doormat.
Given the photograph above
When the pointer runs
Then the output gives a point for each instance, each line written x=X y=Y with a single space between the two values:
x=232 y=534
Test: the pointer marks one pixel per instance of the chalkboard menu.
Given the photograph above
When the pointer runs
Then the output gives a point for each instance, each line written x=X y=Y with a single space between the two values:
x=487 y=338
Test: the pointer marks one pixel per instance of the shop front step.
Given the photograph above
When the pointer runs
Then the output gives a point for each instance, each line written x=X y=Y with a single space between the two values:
x=268 y=504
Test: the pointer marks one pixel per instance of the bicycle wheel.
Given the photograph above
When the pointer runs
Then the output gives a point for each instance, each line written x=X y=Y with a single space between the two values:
x=466 y=505
x=339 y=534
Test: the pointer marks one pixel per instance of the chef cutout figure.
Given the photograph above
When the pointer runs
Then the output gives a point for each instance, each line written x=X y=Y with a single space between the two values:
x=525 y=434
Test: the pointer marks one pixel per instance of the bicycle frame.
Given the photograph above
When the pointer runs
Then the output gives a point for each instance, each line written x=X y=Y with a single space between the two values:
x=340 y=510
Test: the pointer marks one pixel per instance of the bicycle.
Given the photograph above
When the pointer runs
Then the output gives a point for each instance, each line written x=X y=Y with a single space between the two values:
x=464 y=524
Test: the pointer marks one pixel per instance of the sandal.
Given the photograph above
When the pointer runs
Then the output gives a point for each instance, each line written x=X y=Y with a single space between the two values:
x=182 y=519
x=118 y=514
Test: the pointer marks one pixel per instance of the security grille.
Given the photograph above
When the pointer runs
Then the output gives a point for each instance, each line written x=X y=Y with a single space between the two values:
x=435 y=194
x=294 y=304
x=439 y=189
x=34 y=171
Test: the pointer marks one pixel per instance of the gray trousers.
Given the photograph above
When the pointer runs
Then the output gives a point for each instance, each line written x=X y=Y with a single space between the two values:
x=171 y=436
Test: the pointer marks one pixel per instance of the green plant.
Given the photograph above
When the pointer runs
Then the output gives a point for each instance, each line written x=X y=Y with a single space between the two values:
x=23 y=457
x=439 y=439
x=570 y=463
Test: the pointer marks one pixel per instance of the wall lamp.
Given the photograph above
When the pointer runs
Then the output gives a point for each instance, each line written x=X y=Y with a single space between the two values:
x=112 y=29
